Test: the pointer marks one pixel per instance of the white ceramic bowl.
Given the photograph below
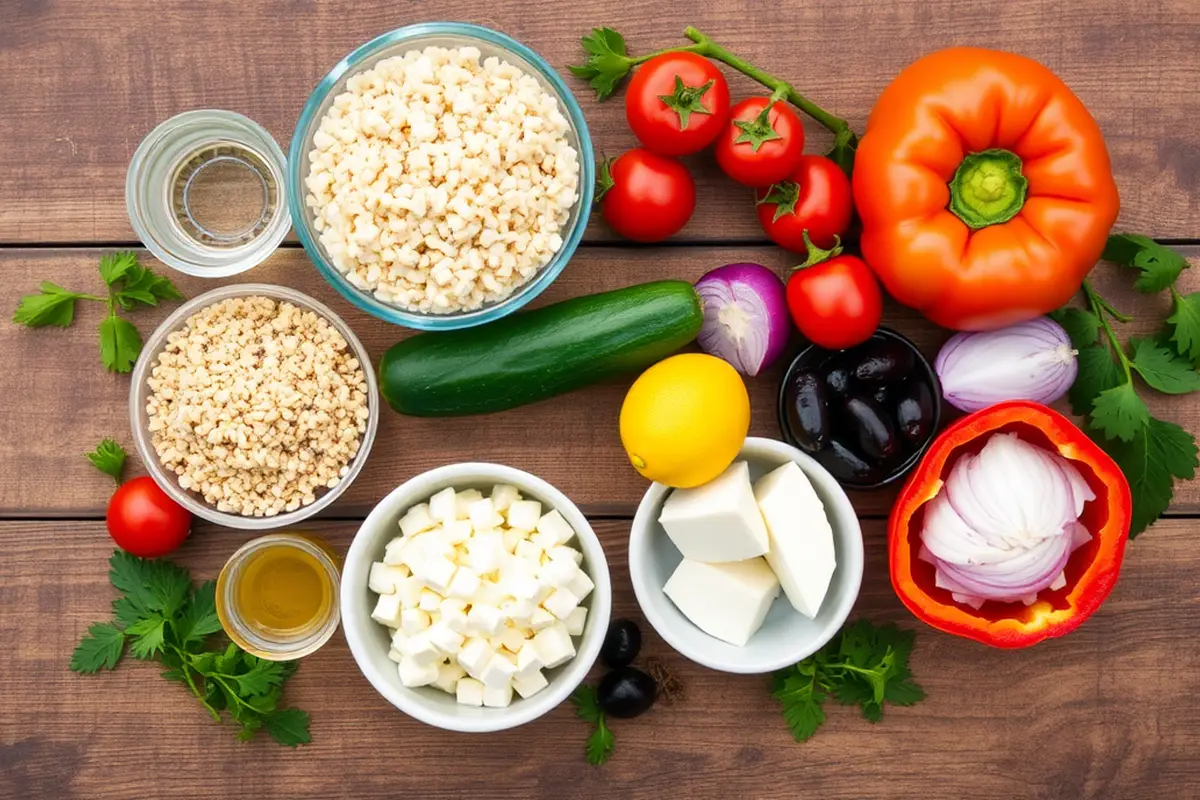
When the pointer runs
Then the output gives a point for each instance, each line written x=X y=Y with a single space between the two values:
x=369 y=641
x=787 y=636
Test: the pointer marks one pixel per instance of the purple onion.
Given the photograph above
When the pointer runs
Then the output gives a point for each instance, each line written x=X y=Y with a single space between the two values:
x=745 y=316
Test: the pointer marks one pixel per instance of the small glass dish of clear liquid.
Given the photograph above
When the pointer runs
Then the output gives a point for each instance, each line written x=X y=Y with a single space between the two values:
x=204 y=194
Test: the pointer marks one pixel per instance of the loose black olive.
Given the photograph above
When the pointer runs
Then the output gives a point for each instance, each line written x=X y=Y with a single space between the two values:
x=873 y=428
x=807 y=411
x=626 y=692
x=621 y=643
x=882 y=395
x=914 y=411
x=837 y=379
x=884 y=361
x=848 y=466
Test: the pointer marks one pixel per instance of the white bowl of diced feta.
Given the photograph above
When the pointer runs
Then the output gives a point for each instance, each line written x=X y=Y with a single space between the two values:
x=754 y=571
x=475 y=597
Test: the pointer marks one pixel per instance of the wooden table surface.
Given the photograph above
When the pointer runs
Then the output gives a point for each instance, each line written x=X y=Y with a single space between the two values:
x=1107 y=712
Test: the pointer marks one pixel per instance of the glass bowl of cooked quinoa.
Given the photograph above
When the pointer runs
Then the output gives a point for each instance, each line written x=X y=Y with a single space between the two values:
x=440 y=176
x=253 y=406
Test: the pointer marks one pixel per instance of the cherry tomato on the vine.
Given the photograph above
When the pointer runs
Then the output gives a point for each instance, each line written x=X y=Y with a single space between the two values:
x=677 y=103
x=816 y=198
x=834 y=299
x=758 y=148
x=143 y=520
x=644 y=196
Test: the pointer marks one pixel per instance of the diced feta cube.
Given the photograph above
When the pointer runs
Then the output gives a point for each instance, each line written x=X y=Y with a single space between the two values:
x=524 y=514
x=511 y=538
x=485 y=620
x=563 y=552
x=576 y=620
x=541 y=619
x=455 y=618
x=474 y=656
x=554 y=529
x=716 y=522
x=558 y=573
x=445 y=639
x=561 y=603
x=489 y=593
x=498 y=672
x=513 y=639
x=413 y=621
x=416 y=520
x=521 y=587
x=728 y=601
x=554 y=645
x=465 y=584
x=436 y=572
x=528 y=551
x=463 y=500
x=528 y=659
x=395 y=655
x=498 y=696
x=519 y=611
x=580 y=585
x=801 y=551
x=529 y=685
x=448 y=677
x=420 y=650
x=409 y=591
x=483 y=515
x=441 y=506
x=383 y=577
x=387 y=610
x=486 y=551
x=504 y=495
x=429 y=600
x=457 y=531
x=469 y=692
x=393 y=554
x=414 y=673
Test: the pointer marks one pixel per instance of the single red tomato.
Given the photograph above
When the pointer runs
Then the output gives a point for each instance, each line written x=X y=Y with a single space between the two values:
x=759 y=146
x=677 y=103
x=646 y=197
x=816 y=198
x=834 y=299
x=143 y=520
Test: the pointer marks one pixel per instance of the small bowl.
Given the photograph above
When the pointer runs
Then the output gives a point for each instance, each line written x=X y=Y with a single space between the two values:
x=397 y=42
x=139 y=391
x=786 y=636
x=369 y=642
x=812 y=355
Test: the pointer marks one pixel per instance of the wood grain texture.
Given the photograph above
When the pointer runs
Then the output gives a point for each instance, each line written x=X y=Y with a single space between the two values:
x=67 y=403
x=1105 y=713
x=84 y=82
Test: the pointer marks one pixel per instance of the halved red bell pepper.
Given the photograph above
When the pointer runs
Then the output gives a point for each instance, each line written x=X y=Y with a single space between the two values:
x=1092 y=570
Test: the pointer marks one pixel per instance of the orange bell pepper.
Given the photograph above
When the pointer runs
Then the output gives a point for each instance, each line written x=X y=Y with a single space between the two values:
x=984 y=188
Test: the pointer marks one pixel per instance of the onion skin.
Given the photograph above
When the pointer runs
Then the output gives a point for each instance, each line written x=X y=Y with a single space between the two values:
x=746 y=318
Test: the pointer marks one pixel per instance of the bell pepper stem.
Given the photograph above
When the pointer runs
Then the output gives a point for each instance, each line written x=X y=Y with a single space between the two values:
x=988 y=188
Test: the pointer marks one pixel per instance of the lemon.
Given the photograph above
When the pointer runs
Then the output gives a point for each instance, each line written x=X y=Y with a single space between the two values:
x=685 y=419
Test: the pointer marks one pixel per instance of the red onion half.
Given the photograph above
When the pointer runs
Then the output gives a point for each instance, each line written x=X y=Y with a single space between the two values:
x=745 y=316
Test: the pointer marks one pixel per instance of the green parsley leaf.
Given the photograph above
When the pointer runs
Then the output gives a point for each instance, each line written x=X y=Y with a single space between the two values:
x=1082 y=326
x=109 y=458
x=784 y=195
x=151 y=586
x=52 y=305
x=1158 y=452
x=1119 y=413
x=120 y=343
x=600 y=744
x=1162 y=369
x=140 y=285
x=1160 y=266
x=199 y=619
x=802 y=697
x=113 y=266
x=260 y=675
x=607 y=62
x=1184 y=324
x=149 y=635
x=288 y=726
x=100 y=649
x=1097 y=372
x=686 y=100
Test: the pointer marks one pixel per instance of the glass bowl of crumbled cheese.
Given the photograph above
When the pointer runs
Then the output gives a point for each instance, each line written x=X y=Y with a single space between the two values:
x=440 y=176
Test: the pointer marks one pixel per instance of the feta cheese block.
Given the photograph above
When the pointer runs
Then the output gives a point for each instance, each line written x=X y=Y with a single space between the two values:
x=530 y=684
x=469 y=692
x=728 y=601
x=716 y=522
x=801 y=551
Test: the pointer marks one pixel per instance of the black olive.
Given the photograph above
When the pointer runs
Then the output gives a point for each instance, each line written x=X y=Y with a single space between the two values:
x=807 y=411
x=873 y=427
x=626 y=692
x=882 y=395
x=914 y=411
x=837 y=379
x=621 y=643
x=848 y=466
x=884 y=361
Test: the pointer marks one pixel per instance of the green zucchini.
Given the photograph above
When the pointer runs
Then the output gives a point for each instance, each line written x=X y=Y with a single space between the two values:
x=538 y=354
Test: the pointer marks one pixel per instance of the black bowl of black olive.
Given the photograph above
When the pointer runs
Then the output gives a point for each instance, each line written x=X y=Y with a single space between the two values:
x=866 y=413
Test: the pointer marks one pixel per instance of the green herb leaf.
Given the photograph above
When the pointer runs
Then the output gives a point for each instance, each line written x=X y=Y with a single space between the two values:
x=1097 y=372
x=113 y=266
x=1160 y=266
x=149 y=635
x=100 y=649
x=607 y=63
x=802 y=697
x=140 y=285
x=1184 y=324
x=109 y=458
x=686 y=100
x=1158 y=453
x=758 y=131
x=604 y=181
x=199 y=619
x=288 y=726
x=120 y=343
x=1082 y=326
x=1162 y=369
x=784 y=195
x=151 y=587
x=52 y=305
x=600 y=743
x=260 y=675
x=1119 y=413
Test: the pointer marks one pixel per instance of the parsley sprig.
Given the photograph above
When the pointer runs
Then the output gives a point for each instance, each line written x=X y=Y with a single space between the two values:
x=600 y=744
x=1153 y=453
x=864 y=665
x=161 y=617
x=109 y=458
x=129 y=285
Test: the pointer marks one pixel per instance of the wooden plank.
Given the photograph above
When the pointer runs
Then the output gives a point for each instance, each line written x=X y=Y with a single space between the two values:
x=63 y=156
x=64 y=402
x=1041 y=723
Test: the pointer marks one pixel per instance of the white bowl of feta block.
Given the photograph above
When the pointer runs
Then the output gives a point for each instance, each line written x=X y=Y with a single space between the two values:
x=475 y=597
x=754 y=571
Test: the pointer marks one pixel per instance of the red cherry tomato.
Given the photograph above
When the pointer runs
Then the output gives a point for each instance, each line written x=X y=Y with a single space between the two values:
x=144 y=521
x=759 y=151
x=816 y=198
x=646 y=197
x=677 y=103
x=836 y=303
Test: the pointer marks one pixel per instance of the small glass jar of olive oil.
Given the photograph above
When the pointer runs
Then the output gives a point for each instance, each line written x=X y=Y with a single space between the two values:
x=277 y=596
